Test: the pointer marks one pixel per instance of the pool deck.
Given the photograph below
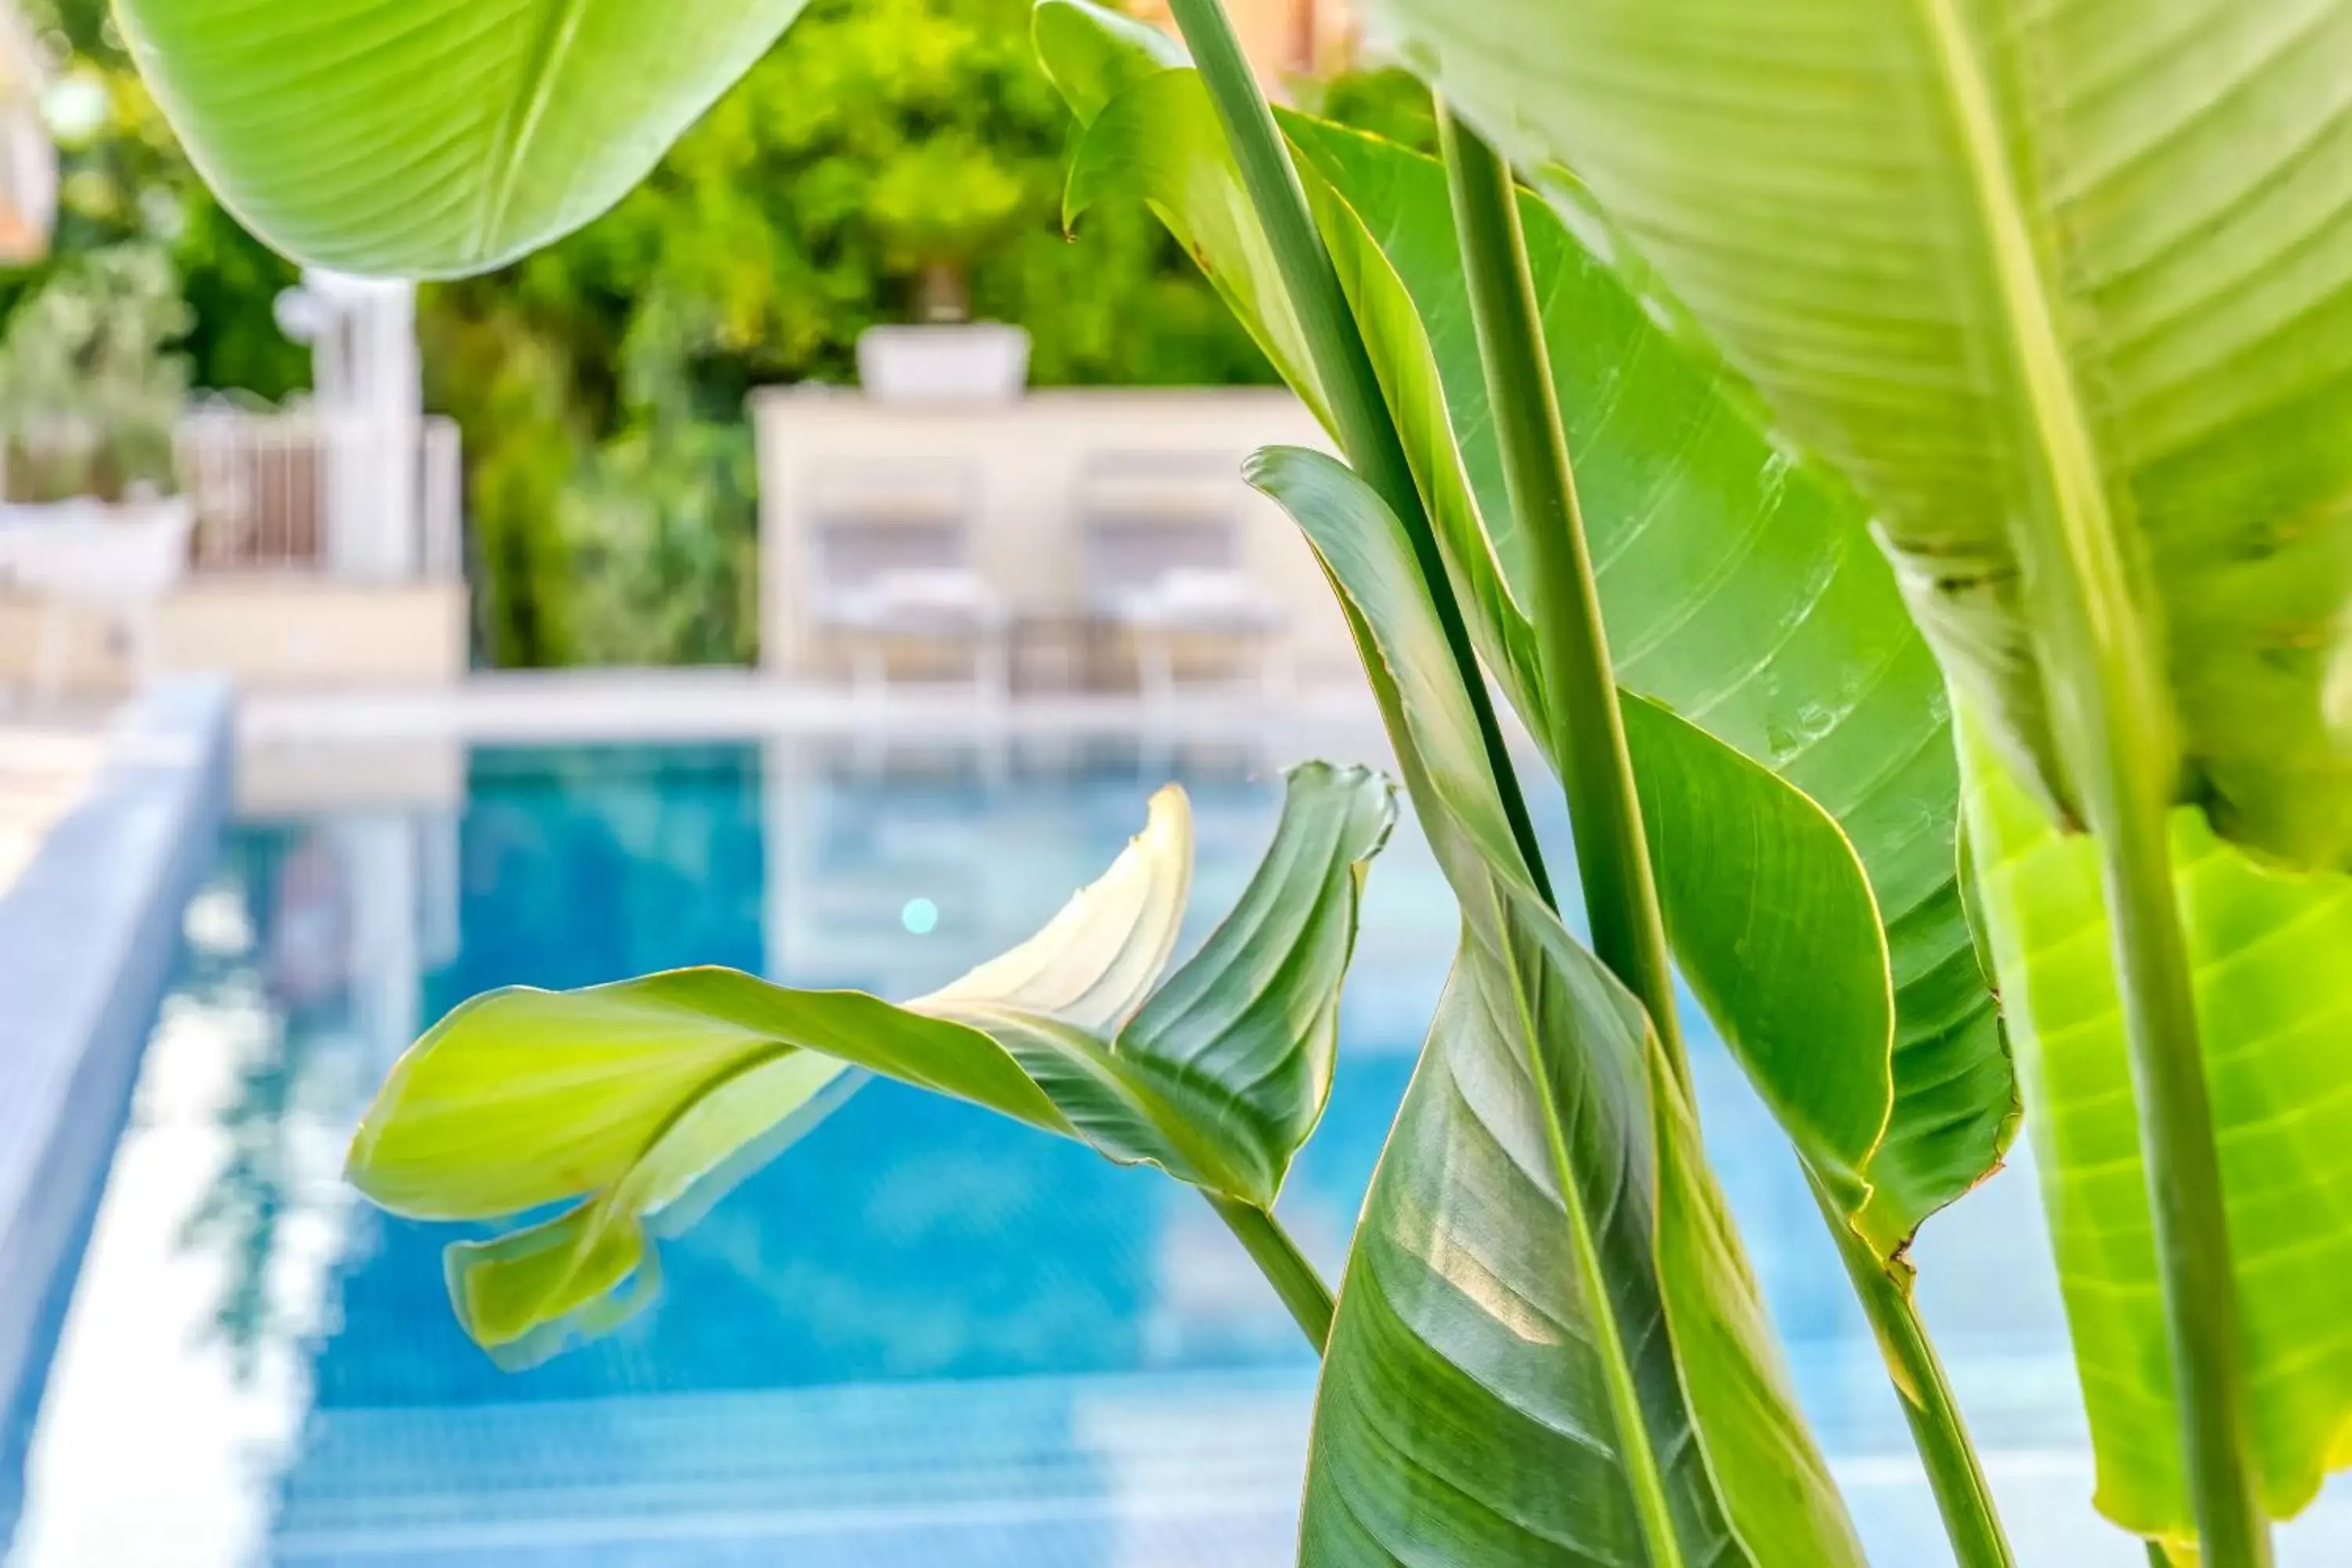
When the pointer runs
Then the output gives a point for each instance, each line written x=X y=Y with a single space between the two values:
x=45 y=767
x=103 y=834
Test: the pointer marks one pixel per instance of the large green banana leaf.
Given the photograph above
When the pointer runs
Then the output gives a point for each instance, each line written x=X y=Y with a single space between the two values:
x=1549 y=1347
x=2034 y=277
x=1742 y=593
x=645 y=1099
x=432 y=137
x=2269 y=949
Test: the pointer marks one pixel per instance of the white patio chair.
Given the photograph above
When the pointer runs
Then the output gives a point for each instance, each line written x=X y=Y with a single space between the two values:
x=890 y=561
x=1163 y=561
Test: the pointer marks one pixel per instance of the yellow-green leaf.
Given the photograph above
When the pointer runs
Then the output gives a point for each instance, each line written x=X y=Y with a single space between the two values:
x=2266 y=947
x=427 y=138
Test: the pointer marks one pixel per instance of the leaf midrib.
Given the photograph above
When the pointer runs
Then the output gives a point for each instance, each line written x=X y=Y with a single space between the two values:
x=559 y=27
x=2086 y=575
x=1645 y=1474
x=1140 y=1098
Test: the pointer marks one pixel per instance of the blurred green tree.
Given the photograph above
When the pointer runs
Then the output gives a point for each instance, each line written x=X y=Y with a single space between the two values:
x=122 y=182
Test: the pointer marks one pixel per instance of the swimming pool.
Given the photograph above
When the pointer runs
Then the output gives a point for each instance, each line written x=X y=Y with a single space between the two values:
x=924 y=1336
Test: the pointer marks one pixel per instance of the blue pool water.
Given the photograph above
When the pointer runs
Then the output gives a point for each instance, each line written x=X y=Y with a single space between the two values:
x=923 y=1337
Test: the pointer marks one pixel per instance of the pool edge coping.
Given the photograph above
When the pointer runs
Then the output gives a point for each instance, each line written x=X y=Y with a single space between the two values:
x=88 y=935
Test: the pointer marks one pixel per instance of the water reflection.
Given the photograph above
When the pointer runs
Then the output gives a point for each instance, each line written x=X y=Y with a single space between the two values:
x=182 y=1375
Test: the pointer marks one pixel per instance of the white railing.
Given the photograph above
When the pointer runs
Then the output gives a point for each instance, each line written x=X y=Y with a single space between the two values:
x=302 y=491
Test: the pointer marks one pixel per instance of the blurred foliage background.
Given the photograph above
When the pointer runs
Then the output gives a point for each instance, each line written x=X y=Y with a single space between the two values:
x=125 y=187
x=889 y=160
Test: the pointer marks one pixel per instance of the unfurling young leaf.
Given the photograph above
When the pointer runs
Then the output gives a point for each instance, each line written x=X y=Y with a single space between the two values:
x=643 y=1100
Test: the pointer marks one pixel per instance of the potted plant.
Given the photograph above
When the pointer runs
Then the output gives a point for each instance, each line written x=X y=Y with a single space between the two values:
x=934 y=208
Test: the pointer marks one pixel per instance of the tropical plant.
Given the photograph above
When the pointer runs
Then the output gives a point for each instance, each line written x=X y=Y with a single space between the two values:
x=935 y=208
x=2047 y=300
x=2071 y=321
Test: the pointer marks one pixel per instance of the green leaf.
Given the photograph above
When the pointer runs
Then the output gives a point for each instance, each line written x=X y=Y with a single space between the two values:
x=2036 y=279
x=1742 y=591
x=644 y=1099
x=2268 y=950
x=1549 y=1347
x=525 y=1295
x=1768 y=908
x=1092 y=53
x=428 y=138
x=1159 y=140
x=1482 y=1398
x=1743 y=594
